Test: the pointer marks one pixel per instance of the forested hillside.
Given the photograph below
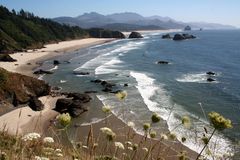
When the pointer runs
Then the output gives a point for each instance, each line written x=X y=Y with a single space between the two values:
x=23 y=30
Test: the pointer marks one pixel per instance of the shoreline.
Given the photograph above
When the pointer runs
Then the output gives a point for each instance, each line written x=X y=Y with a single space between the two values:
x=24 y=68
x=28 y=61
x=14 y=120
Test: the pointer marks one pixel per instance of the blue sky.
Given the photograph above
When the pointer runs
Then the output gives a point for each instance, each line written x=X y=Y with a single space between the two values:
x=220 y=11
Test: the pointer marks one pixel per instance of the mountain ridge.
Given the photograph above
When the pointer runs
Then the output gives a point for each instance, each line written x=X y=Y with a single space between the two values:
x=94 y=19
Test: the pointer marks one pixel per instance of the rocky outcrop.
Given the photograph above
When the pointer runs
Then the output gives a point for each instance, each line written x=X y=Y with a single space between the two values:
x=81 y=73
x=178 y=37
x=19 y=89
x=40 y=71
x=102 y=33
x=84 y=98
x=187 y=28
x=188 y=36
x=166 y=36
x=135 y=35
x=6 y=58
x=35 y=104
x=56 y=62
x=210 y=73
x=96 y=81
x=73 y=104
x=211 y=80
x=162 y=62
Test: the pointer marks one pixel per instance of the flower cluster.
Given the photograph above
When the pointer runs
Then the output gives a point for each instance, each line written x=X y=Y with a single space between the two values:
x=219 y=122
x=41 y=158
x=109 y=133
x=106 y=109
x=186 y=121
x=155 y=118
x=31 y=136
x=121 y=95
x=146 y=126
x=48 y=140
x=172 y=136
x=163 y=137
x=153 y=134
x=131 y=124
x=64 y=119
x=119 y=145
x=3 y=156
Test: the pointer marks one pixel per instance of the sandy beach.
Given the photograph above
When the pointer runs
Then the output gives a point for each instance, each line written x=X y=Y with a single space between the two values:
x=27 y=61
x=15 y=120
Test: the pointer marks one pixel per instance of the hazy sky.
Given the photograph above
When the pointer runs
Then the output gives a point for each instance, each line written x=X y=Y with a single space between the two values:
x=220 y=11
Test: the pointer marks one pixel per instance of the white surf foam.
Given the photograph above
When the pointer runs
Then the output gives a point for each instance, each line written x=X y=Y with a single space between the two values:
x=195 y=78
x=63 y=81
x=41 y=77
x=108 y=67
x=94 y=120
x=54 y=68
x=104 y=62
x=163 y=104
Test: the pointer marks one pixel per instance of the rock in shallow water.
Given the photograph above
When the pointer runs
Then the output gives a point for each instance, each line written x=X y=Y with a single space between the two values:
x=40 y=71
x=211 y=80
x=166 y=36
x=178 y=37
x=211 y=73
x=162 y=62
x=135 y=35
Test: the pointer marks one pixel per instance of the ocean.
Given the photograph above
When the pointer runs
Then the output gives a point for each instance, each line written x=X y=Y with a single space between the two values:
x=174 y=90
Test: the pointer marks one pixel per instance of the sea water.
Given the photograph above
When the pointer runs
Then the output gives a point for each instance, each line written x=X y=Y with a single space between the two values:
x=177 y=89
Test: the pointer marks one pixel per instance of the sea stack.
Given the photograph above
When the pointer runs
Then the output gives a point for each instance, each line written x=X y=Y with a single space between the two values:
x=187 y=28
x=135 y=35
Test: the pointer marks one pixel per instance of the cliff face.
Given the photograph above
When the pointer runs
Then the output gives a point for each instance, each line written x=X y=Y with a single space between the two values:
x=18 y=89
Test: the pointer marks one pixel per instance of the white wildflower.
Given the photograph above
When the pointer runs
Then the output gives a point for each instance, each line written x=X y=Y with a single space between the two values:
x=110 y=135
x=48 y=149
x=58 y=150
x=128 y=143
x=130 y=148
x=163 y=137
x=41 y=158
x=48 y=140
x=145 y=149
x=31 y=136
x=119 y=145
x=59 y=155
x=131 y=124
x=106 y=130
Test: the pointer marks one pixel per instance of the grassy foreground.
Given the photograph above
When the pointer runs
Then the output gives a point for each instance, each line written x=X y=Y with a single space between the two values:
x=107 y=145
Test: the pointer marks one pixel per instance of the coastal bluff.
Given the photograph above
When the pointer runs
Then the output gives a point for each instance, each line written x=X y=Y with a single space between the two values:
x=17 y=89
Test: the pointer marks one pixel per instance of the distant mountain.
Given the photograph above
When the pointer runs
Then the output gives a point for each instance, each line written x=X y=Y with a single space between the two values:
x=129 y=27
x=164 y=19
x=210 y=25
x=132 y=21
x=126 y=17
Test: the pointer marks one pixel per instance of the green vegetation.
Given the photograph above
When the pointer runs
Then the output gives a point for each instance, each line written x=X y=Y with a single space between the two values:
x=24 y=30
